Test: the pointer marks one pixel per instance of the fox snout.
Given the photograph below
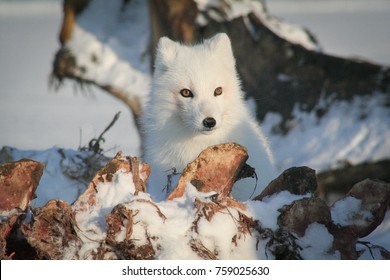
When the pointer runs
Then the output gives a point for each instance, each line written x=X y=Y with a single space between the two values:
x=201 y=116
x=209 y=122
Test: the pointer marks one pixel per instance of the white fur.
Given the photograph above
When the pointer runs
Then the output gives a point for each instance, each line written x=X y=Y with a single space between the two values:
x=172 y=124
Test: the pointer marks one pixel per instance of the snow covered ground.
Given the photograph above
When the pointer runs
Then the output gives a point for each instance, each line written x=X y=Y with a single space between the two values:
x=34 y=117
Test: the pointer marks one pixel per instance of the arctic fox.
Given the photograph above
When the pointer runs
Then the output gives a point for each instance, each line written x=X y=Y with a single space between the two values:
x=196 y=102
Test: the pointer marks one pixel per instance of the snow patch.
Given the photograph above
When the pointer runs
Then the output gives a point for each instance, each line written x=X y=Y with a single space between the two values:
x=90 y=217
x=234 y=9
x=266 y=211
x=347 y=211
x=317 y=243
x=5 y=215
x=354 y=132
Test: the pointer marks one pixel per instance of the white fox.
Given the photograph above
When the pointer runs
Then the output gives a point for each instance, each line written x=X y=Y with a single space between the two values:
x=196 y=102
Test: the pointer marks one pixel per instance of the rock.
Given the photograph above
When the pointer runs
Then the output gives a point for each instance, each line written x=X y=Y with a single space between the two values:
x=52 y=231
x=344 y=241
x=297 y=216
x=280 y=243
x=296 y=180
x=370 y=201
x=6 y=226
x=140 y=171
x=18 y=182
x=116 y=219
x=357 y=215
x=215 y=169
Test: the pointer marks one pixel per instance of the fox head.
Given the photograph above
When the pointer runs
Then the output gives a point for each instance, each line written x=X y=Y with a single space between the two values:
x=197 y=86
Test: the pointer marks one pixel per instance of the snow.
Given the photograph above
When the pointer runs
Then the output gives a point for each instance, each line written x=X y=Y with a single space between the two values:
x=101 y=47
x=4 y=215
x=233 y=9
x=175 y=231
x=353 y=132
x=170 y=225
x=34 y=120
x=169 y=235
x=90 y=219
x=266 y=211
x=347 y=211
x=380 y=236
x=318 y=235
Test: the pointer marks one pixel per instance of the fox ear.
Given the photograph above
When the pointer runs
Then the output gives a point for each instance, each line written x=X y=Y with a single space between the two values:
x=166 y=52
x=221 y=44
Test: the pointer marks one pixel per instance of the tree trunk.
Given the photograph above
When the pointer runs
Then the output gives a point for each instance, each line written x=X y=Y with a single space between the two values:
x=279 y=74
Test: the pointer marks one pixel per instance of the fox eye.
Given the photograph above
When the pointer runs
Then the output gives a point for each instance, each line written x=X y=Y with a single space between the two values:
x=186 y=93
x=218 y=91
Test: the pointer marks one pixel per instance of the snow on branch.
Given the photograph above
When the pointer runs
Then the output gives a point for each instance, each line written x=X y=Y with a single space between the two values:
x=95 y=41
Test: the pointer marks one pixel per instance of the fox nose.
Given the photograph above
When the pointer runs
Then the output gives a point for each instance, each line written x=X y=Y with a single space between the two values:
x=209 y=122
